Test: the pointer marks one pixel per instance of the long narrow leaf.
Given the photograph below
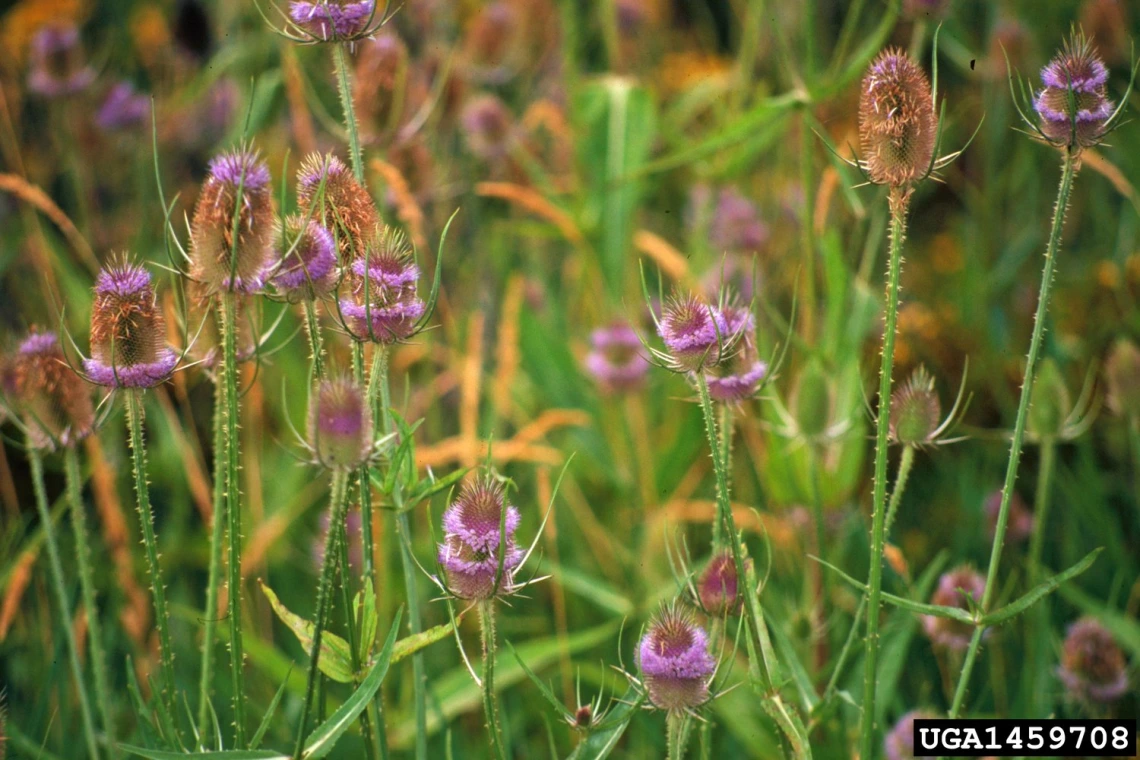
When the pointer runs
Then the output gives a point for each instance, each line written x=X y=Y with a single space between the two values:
x=1037 y=592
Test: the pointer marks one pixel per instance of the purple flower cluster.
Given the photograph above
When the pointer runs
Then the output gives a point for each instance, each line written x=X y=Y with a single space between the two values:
x=1074 y=107
x=953 y=587
x=694 y=333
x=333 y=20
x=57 y=65
x=477 y=535
x=1093 y=667
x=128 y=342
x=718 y=586
x=55 y=403
x=383 y=306
x=740 y=375
x=122 y=108
x=308 y=266
x=736 y=224
x=340 y=424
x=675 y=663
x=615 y=360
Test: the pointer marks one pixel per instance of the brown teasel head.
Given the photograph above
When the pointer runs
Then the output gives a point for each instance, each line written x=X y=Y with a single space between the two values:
x=898 y=127
x=339 y=201
x=53 y=400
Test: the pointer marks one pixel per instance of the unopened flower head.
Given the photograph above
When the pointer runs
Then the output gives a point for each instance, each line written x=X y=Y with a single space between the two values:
x=1074 y=108
x=695 y=333
x=953 y=588
x=718 y=586
x=1019 y=523
x=123 y=108
x=1093 y=667
x=383 y=306
x=238 y=183
x=675 y=663
x=898 y=127
x=341 y=203
x=58 y=67
x=477 y=535
x=340 y=424
x=899 y=742
x=1122 y=376
x=915 y=410
x=333 y=20
x=308 y=263
x=128 y=332
x=615 y=359
x=55 y=402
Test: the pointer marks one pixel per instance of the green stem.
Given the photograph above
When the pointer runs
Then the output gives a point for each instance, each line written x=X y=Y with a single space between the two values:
x=337 y=496
x=490 y=707
x=60 y=589
x=135 y=415
x=217 y=534
x=726 y=457
x=344 y=89
x=87 y=585
x=898 y=203
x=380 y=382
x=677 y=726
x=316 y=342
x=906 y=462
x=233 y=508
x=1068 y=172
x=350 y=624
x=1041 y=505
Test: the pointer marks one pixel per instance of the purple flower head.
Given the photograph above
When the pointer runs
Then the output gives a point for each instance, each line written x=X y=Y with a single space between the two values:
x=38 y=343
x=342 y=204
x=615 y=359
x=476 y=532
x=899 y=742
x=718 y=586
x=54 y=401
x=675 y=662
x=57 y=64
x=736 y=225
x=333 y=20
x=1019 y=526
x=487 y=127
x=352 y=524
x=340 y=424
x=128 y=332
x=953 y=587
x=740 y=384
x=1093 y=667
x=1074 y=107
x=694 y=333
x=384 y=307
x=237 y=185
x=740 y=372
x=123 y=108
x=307 y=261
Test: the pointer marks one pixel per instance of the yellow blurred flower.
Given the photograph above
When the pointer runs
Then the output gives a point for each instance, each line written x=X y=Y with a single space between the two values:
x=683 y=70
x=150 y=33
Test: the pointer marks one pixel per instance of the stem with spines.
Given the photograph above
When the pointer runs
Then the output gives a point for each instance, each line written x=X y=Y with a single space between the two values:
x=906 y=462
x=217 y=535
x=87 y=586
x=350 y=624
x=233 y=507
x=1068 y=172
x=344 y=89
x=899 y=199
x=135 y=414
x=316 y=342
x=490 y=706
x=337 y=495
x=60 y=590
x=677 y=725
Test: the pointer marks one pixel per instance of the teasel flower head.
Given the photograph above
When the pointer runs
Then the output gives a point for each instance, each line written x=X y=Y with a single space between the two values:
x=339 y=201
x=898 y=127
x=718 y=585
x=1122 y=376
x=55 y=403
x=615 y=360
x=122 y=108
x=1019 y=523
x=238 y=184
x=383 y=306
x=1053 y=413
x=915 y=412
x=128 y=331
x=307 y=262
x=676 y=666
x=696 y=334
x=1073 y=109
x=899 y=742
x=479 y=556
x=488 y=127
x=738 y=378
x=58 y=67
x=953 y=590
x=340 y=424
x=1093 y=667
x=332 y=20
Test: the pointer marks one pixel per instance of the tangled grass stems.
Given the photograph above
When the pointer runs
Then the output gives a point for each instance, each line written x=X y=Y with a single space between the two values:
x=59 y=587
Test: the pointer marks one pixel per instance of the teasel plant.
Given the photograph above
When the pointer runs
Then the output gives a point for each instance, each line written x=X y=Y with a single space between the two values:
x=1073 y=113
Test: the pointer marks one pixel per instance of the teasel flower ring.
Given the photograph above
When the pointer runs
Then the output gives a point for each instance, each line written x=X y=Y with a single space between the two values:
x=915 y=412
x=44 y=397
x=312 y=22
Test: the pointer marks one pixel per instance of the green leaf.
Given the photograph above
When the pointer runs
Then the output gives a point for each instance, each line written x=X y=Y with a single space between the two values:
x=953 y=613
x=227 y=754
x=324 y=737
x=1037 y=592
x=367 y=621
x=335 y=660
x=600 y=743
x=542 y=686
x=265 y=722
x=409 y=645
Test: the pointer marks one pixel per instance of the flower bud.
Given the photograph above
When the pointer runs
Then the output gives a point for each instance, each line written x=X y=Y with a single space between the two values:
x=615 y=360
x=128 y=332
x=238 y=181
x=718 y=586
x=339 y=201
x=675 y=662
x=915 y=410
x=694 y=332
x=333 y=20
x=899 y=742
x=1050 y=403
x=1122 y=375
x=953 y=587
x=474 y=530
x=307 y=257
x=57 y=63
x=1074 y=107
x=1093 y=668
x=897 y=124
x=55 y=402
x=340 y=424
x=384 y=307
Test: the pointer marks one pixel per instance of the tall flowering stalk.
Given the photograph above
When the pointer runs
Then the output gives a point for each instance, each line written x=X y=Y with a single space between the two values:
x=1074 y=113
x=231 y=250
